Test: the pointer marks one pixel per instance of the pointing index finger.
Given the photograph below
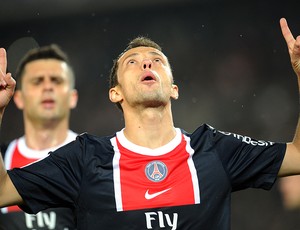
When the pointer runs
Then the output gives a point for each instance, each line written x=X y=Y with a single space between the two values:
x=3 y=61
x=286 y=32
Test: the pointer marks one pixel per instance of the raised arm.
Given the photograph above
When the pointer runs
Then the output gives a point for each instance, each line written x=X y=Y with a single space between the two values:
x=291 y=162
x=8 y=193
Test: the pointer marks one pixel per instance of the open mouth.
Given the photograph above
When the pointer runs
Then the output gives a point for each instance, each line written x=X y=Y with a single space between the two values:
x=148 y=76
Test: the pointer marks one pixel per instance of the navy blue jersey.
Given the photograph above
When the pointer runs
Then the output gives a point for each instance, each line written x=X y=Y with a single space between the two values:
x=111 y=183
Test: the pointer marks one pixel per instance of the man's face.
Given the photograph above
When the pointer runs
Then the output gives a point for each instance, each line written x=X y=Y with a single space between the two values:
x=145 y=78
x=46 y=92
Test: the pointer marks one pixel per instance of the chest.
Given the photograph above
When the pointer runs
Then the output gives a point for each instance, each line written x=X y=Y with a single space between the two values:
x=167 y=179
x=135 y=180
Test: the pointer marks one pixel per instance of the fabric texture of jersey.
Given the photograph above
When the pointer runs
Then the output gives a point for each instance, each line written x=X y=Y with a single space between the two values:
x=112 y=183
x=13 y=218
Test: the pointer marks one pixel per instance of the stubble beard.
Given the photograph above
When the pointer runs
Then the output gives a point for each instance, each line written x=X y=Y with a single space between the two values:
x=151 y=99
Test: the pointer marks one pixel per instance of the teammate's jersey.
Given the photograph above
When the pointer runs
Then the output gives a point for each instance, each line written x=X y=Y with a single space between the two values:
x=111 y=183
x=13 y=218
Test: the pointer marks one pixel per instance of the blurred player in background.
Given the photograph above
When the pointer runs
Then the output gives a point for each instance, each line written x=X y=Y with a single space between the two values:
x=46 y=95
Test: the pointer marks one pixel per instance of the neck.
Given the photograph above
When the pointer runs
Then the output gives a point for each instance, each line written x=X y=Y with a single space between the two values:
x=151 y=127
x=43 y=136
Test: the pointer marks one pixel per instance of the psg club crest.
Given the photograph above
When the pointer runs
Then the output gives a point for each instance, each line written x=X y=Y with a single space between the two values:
x=156 y=171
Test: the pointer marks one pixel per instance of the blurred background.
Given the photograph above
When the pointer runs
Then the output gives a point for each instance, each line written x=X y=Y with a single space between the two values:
x=229 y=60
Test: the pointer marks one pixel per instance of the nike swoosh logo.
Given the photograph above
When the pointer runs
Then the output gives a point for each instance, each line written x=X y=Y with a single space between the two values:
x=153 y=195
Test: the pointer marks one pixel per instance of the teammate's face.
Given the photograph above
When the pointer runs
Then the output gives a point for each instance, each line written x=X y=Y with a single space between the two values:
x=46 y=92
x=145 y=78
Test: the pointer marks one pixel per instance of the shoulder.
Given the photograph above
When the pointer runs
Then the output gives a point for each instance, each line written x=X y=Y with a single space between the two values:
x=87 y=147
x=88 y=143
x=202 y=130
x=90 y=138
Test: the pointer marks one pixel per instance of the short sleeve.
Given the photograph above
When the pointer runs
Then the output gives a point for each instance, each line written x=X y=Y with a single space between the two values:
x=249 y=163
x=53 y=181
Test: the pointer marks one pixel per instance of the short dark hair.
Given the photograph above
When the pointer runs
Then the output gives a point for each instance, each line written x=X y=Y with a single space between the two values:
x=136 y=42
x=52 y=51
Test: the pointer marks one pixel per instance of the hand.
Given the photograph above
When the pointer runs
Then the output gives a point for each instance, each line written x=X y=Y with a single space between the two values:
x=7 y=83
x=293 y=45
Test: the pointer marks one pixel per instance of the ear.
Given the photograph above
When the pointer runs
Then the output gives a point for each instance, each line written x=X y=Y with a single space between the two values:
x=18 y=99
x=73 y=99
x=174 y=92
x=115 y=95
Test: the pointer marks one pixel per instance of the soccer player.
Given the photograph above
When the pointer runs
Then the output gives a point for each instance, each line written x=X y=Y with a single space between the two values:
x=45 y=94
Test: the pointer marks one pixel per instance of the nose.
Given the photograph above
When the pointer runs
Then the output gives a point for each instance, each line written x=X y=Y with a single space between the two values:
x=48 y=84
x=147 y=64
